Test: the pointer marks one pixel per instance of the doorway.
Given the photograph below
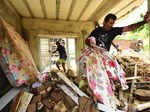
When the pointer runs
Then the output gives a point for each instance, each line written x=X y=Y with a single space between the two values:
x=48 y=60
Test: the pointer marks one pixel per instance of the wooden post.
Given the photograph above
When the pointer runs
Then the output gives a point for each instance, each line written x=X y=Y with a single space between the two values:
x=149 y=26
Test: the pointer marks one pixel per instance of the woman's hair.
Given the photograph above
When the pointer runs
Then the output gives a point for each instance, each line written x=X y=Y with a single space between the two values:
x=110 y=16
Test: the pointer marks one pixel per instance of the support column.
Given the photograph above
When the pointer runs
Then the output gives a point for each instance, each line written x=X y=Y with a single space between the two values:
x=149 y=26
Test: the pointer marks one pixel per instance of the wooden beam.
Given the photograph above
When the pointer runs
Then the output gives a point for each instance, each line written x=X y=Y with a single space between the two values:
x=50 y=7
x=116 y=7
x=43 y=8
x=12 y=7
x=122 y=14
x=71 y=8
x=121 y=8
x=78 y=8
x=149 y=26
x=64 y=9
x=143 y=106
x=103 y=9
x=28 y=7
x=57 y=25
x=57 y=9
x=84 y=8
x=90 y=9
x=4 y=100
x=20 y=7
x=35 y=7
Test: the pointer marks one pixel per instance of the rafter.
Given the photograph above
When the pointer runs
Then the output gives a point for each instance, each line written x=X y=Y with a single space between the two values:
x=11 y=6
x=29 y=9
x=90 y=9
x=50 y=11
x=43 y=8
x=65 y=6
x=20 y=7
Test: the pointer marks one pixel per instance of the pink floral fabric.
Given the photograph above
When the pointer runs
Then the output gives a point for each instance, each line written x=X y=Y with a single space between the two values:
x=101 y=69
x=15 y=57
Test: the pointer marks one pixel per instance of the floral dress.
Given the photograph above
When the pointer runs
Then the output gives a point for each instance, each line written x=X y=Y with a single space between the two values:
x=101 y=69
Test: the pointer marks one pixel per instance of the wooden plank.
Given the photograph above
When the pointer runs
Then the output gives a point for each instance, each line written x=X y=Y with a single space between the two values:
x=64 y=9
x=20 y=7
x=106 y=109
x=132 y=87
x=4 y=100
x=36 y=8
x=79 y=6
x=25 y=100
x=122 y=4
x=132 y=78
x=57 y=25
x=50 y=6
x=90 y=9
x=141 y=107
x=71 y=84
x=73 y=96
x=122 y=14
x=16 y=103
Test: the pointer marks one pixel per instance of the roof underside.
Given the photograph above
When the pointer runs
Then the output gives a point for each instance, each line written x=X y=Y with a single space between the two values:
x=73 y=10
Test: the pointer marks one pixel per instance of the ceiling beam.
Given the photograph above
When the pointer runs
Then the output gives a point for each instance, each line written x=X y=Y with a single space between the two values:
x=65 y=6
x=28 y=7
x=50 y=7
x=43 y=8
x=120 y=5
x=122 y=14
x=36 y=8
x=121 y=8
x=93 y=5
x=78 y=8
x=71 y=8
x=57 y=25
x=105 y=8
x=20 y=7
x=12 y=7
x=57 y=9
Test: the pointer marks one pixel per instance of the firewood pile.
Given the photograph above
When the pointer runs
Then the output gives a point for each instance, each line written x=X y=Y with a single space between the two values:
x=128 y=64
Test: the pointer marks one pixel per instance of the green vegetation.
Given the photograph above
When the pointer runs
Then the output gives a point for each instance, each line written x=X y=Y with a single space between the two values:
x=141 y=33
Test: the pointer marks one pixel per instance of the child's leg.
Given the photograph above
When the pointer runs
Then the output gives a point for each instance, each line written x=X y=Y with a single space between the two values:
x=63 y=65
x=57 y=64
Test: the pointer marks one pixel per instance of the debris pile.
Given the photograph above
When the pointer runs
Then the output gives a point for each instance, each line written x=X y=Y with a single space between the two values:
x=50 y=97
x=67 y=94
x=128 y=64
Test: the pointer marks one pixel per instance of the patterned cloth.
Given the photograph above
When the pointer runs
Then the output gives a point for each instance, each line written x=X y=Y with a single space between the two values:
x=101 y=70
x=15 y=57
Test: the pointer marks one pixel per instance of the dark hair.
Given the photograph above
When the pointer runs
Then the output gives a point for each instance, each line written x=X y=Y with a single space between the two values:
x=110 y=16
x=57 y=42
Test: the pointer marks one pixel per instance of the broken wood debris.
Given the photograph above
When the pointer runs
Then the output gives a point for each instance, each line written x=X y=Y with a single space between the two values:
x=63 y=91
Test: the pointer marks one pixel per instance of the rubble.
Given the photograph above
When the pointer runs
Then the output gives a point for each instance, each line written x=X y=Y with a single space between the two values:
x=128 y=63
x=70 y=93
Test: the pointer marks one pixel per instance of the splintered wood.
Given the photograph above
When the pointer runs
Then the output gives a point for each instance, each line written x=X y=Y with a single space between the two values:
x=24 y=102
